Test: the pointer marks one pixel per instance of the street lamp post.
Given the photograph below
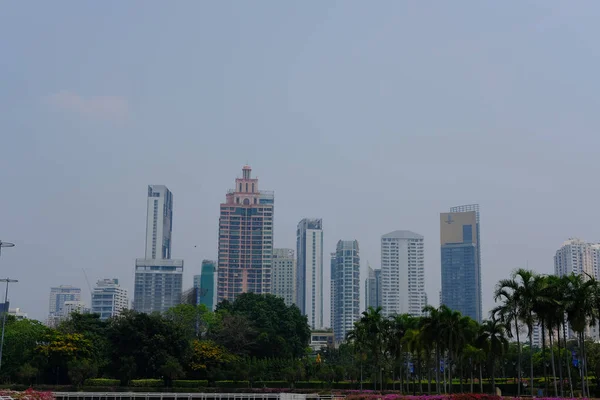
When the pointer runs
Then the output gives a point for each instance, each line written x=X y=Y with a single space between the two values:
x=5 y=244
x=4 y=315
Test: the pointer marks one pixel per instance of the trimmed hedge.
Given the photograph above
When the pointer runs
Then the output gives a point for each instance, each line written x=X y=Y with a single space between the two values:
x=102 y=382
x=147 y=383
x=271 y=384
x=311 y=385
x=190 y=383
x=232 y=384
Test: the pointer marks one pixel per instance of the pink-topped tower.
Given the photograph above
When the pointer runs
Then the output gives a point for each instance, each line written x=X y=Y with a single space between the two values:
x=245 y=239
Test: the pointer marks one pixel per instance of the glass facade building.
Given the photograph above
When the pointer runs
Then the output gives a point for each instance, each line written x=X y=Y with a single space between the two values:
x=461 y=272
x=205 y=284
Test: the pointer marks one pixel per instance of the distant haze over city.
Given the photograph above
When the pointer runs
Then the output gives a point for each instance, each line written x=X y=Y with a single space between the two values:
x=371 y=118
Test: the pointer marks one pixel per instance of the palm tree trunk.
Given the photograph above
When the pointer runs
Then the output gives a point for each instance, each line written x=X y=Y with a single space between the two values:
x=531 y=356
x=429 y=372
x=567 y=354
x=493 y=372
x=560 y=368
x=437 y=367
x=420 y=374
x=462 y=374
x=551 y=334
x=519 y=358
x=544 y=354
x=481 y=377
x=471 y=365
x=585 y=369
x=581 y=364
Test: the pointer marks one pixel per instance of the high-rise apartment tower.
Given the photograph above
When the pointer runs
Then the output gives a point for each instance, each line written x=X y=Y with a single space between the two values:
x=403 y=273
x=109 y=299
x=345 y=282
x=158 y=278
x=309 y=281
x=283 y=276
x=245 y=239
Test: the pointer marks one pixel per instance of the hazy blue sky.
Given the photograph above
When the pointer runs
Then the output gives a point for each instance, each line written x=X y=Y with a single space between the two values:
x=375 y=116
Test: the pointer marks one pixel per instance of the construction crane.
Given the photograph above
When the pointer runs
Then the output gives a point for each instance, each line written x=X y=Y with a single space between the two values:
x=87 y=280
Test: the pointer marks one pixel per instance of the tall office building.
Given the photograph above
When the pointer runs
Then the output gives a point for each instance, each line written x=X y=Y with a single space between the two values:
x=159 y=222
x=58 y=297
x=283 y=276
x=345 y=281
x=245 y=239
x=461 y=272
x=475 y=209
x=205 y=284
x=158 y=278
x=309 y=281
x=373 y=291
x=109 y=299
x=403 y=273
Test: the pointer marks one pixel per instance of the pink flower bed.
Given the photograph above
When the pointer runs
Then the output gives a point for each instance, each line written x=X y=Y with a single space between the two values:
x=29 y=394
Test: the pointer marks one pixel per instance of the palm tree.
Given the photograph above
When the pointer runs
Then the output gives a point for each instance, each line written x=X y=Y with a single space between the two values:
x=527 y=292
x=579 y=298
x=399 y=326
x=370 y=334
x=492 y=338
x=452 y=333
x=430 y=326
x=507 y=290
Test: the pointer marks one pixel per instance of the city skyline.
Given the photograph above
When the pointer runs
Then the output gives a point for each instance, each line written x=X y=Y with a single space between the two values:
x=483 y=105
x=588 y=261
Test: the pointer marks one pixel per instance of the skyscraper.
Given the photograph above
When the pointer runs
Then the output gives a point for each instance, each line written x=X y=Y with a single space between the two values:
x=284 y=275
x=309 y=281
x=461 y=272
x=205 y=284
x=373 y=292
x=474 y=208
x=345 y=281
x=402 y=273
x=245 y=239
x=58 y=296
x=576 y=257
x=108 y=298
x=158 y=278
x=159 y=222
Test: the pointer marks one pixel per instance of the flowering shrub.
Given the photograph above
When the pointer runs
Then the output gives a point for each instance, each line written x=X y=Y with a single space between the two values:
x=29 y=394
x=461 y=396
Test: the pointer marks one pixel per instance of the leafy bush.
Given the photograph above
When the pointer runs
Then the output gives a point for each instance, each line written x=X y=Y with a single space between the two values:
x=147 y=383
x=190 y=384
x=102 y=382
x=232 y=384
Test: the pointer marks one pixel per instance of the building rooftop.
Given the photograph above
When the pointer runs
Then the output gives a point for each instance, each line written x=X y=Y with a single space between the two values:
x=402 y=235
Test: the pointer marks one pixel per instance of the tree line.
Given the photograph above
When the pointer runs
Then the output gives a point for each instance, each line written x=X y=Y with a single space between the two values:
x=186 y=342
x=444 y=344
x=259 y=338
